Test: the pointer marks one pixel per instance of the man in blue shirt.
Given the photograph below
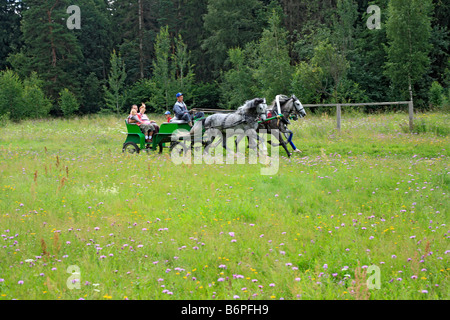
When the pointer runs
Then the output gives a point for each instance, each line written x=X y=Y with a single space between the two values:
x=181 y=111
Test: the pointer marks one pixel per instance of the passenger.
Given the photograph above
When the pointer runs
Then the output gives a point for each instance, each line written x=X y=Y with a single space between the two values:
x=168 y=117
x=134 y=118
x=146 y=121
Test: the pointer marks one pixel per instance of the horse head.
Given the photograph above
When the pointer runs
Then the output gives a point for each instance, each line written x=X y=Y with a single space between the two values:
x=298 y=107
x=261 y=109
x=258 y=106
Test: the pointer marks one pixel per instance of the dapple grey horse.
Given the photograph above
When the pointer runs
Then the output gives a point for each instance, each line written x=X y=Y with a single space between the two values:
x=244 y=122
x=284 y=107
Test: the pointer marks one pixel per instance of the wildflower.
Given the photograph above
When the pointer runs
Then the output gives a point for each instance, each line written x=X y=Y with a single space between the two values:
x=20 y=282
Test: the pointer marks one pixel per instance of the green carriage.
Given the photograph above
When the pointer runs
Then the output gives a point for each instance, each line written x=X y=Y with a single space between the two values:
x=168 y=136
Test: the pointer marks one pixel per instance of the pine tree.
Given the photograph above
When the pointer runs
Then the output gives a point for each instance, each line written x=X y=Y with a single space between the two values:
x=114 y=92
x=238 y=83
x=163 y=72
x=68 y=102
x=272 y=69
x=95 y=38
x=52 y=50
x=184 y=74
x=230 y=24
x=10 y=33
x=408 y=31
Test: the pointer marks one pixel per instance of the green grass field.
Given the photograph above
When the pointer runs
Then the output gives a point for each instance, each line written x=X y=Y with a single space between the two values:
x=140 y=227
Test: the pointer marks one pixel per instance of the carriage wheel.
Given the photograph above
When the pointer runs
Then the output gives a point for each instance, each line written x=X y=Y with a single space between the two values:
x=131 y=148
x=179 y=147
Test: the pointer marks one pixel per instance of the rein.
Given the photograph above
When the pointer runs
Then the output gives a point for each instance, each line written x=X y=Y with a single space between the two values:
x=222 y=125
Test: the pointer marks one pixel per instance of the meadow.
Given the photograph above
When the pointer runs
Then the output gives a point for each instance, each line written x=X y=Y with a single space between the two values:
x=81 y=220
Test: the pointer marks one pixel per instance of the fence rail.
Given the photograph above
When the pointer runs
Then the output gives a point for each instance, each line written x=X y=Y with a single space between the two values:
x=339 y=109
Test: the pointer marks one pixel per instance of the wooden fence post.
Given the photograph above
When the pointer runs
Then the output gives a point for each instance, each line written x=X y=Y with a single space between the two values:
x=338 y=116
x=411 y=116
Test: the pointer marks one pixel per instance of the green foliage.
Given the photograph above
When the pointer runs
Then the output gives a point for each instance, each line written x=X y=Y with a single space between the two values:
x=163 y=71
x=307 y=82
x=172 y=70
x=261 y=69
x=408 y=31
x=230 y=24
x=436 y=94
x=94 y=38
x=237 y=85
x=184 y=74
x=10 y=33
x=22 y=99
x=321 y=78
x=36 y=104
x=92 y=99
x=11 y=95
x=188 y=45
x=114 y=92
x=145 y=91
x=344 y=24
x=271 y=66
x=206 y=95
x=68 y=102
x=51 y=49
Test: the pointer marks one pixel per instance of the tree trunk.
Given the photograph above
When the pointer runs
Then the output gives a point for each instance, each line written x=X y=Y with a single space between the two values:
x=141 y=53
x=52 y=44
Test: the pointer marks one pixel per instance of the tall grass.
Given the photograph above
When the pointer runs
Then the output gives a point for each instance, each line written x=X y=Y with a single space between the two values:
x=140 y=227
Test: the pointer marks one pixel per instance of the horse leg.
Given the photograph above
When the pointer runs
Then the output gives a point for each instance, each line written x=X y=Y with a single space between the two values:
x=283 y=144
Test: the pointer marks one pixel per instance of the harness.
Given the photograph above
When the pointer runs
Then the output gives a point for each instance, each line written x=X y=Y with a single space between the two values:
x=279 y=116
x=244 y=119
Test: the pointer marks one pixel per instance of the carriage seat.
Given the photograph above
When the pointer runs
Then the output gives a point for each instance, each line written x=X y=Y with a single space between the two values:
x=176 y=120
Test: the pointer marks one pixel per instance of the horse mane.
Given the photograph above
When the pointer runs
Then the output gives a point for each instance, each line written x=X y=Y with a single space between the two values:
x=247 y=105
x=282 y=98
x=283 y=101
